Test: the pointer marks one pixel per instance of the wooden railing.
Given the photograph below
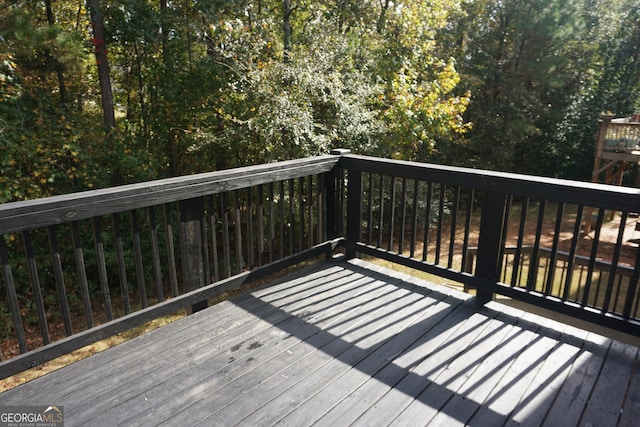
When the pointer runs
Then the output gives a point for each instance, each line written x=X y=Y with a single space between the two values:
x=427 y=217
x=554 y=272
x=81 y=267
x=621 y=136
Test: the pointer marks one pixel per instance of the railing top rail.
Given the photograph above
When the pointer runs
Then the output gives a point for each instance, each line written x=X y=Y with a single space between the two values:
x=624 y=122
x=18 y=216
x=578 y=192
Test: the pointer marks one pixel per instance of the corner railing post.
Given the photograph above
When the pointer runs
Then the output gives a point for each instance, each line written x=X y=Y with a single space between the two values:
x=490 y=243
x=192 y=246
x=333 y=199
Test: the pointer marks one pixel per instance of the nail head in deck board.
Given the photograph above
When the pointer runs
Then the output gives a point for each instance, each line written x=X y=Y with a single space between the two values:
x=335 y=320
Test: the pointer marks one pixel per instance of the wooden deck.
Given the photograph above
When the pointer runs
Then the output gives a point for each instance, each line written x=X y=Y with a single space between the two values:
x=349 y=343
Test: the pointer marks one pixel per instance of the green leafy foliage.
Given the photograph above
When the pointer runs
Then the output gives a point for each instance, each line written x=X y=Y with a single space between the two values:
x=200 y=86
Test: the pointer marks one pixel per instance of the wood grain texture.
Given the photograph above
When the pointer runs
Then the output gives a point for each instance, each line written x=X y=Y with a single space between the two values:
x=350 y=343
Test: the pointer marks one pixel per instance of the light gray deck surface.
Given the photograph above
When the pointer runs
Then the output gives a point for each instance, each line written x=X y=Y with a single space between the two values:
x=351 y=344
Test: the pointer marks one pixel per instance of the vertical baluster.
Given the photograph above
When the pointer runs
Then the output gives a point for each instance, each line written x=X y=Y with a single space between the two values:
x=214 y=237
x=13 y=297
x=155 y=254
x=554 y=250
x=441 y=202
x=572 y=253
x=260 y=212
x=283 y=219
x=467 y=229
x=454 y=221
x=59 y=277
x=204 y=241
x=82 y=274
x=518 y=259
x=292 y=218
x=35 y=286
x=250 y=245
x=122 y=272
x=403 y=215
x=381 y=216
x=427 y=222
x=354 y=212
x=505 y=231
x=321 y=192
x=392 y=206
x=239 y=254
x=532 y=281
x=310 y=205
x=592 y=258
x=370 y=209
x=301 y=213
x=614 y=262
x=102 y=266
x=226 y=243
x=342 y=201
x=414 y=219
x=171 y=253
x=330 y=199
x=272 y=223
x=137 y=251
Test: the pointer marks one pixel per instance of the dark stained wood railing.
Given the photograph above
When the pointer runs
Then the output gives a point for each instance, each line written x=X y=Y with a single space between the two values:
x=566 y=275
x=428 y=217
x=118 y=257
x=81 y=267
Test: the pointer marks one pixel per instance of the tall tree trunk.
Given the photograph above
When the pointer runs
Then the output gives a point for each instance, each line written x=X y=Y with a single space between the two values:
x=103 y=65
x=382 y=18
x=172 y=149
x=63 y=90
x=286 y=24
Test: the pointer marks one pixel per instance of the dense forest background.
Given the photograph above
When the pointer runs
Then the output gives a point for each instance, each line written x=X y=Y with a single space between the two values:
x=104 y=92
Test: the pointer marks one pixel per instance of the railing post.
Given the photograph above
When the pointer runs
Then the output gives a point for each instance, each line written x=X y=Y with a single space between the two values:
x=354 y=211
x=490 y=242
x=332 y=197
x=192 y=246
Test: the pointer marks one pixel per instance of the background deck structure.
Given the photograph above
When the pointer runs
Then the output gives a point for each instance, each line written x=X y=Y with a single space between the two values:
x=617 y=148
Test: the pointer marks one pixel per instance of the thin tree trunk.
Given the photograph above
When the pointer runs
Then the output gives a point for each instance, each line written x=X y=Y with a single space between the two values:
x=143 y=105
x=382 y=18
x=286 y=24
x=103 y=65
x=52 y=21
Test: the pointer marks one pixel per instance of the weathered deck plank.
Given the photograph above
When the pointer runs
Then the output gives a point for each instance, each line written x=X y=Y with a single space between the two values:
x=350 y=343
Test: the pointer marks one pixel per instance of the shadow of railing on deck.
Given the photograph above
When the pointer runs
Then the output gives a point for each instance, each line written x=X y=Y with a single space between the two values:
x=442 y=354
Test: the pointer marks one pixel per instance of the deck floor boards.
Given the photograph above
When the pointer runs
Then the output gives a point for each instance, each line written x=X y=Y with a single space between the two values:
x=350 y=343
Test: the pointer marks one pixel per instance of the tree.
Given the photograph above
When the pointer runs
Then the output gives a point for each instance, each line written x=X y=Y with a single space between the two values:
x=521 y=61
x=99 y=42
